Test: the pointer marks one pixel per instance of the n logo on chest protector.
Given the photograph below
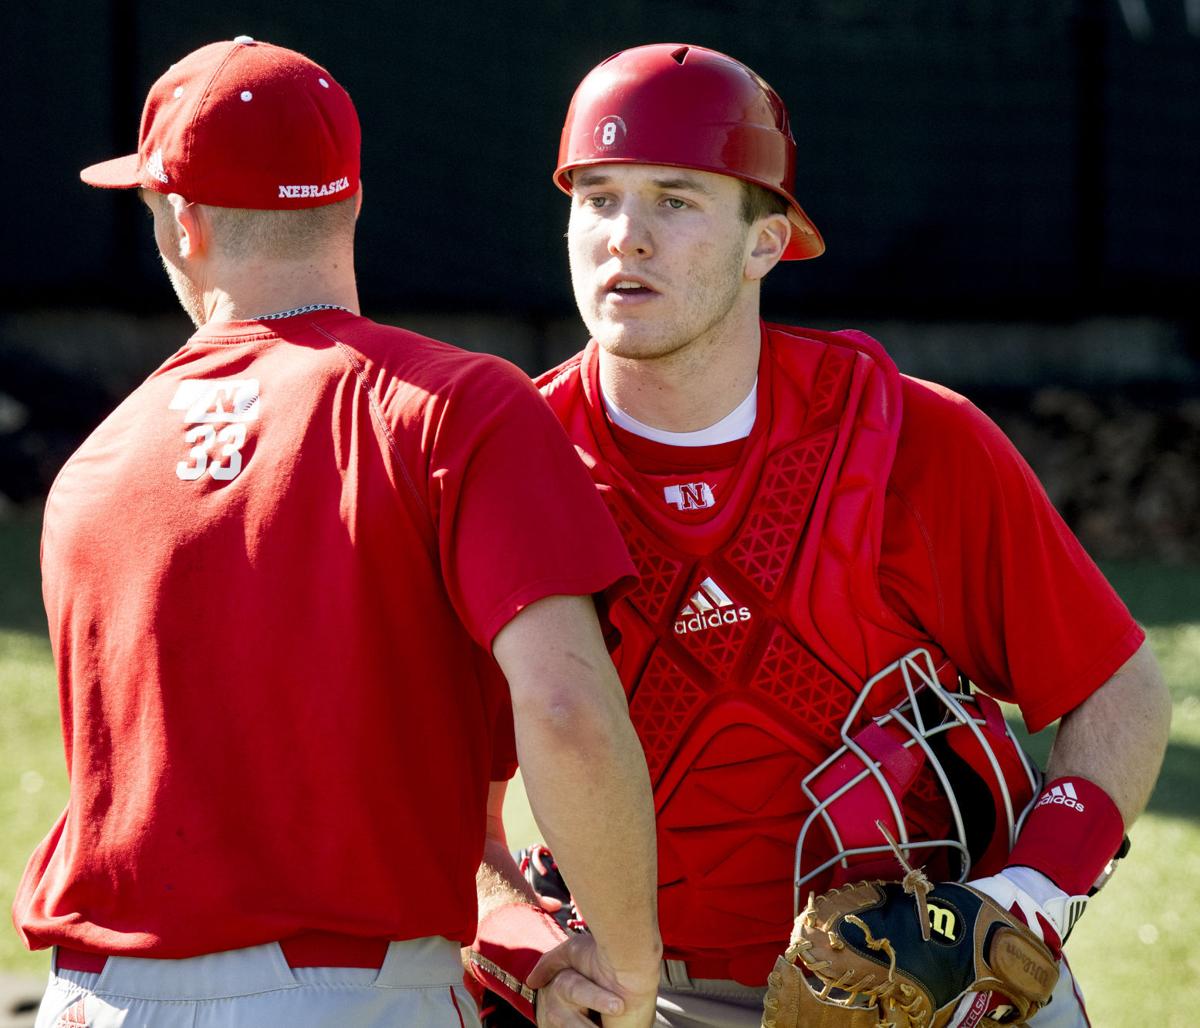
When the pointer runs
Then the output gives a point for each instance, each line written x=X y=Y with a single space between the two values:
x=689 y=495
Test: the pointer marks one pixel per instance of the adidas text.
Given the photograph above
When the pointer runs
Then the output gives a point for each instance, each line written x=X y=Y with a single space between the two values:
x=708 y=607
x=1063 y=796
x=698 y=622
x=154 y=166
x=1061 y=801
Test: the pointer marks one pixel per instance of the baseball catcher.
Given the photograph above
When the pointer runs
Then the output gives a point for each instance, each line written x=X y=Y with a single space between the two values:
x=802 y=515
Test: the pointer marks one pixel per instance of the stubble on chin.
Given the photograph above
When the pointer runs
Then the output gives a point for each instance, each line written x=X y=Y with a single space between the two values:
x=648 y=343
x=617 y=339
x=185 y=293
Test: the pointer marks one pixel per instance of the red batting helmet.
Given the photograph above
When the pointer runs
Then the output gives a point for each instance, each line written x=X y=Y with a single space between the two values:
x=687 y=107
x=942 y=772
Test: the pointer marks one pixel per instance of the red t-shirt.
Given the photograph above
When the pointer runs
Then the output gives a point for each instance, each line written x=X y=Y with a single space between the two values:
x=975 y=553
x=273 y=576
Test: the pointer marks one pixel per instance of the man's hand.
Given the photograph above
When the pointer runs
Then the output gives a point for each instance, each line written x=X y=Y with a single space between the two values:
x=573 y=978
x=566 y=999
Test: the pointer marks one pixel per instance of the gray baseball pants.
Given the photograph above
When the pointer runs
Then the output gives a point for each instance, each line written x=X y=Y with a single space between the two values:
x=420 y=984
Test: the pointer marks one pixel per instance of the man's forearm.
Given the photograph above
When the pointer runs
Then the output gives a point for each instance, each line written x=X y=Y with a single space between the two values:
x=586 y=779
x=1117 y=737
x=590 y=793
x=499 y=881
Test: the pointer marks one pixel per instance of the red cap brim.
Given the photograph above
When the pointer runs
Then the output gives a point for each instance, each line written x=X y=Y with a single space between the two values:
x=119 y=173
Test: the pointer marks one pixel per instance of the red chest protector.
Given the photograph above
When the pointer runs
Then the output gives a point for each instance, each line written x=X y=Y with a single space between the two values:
x=750 y=634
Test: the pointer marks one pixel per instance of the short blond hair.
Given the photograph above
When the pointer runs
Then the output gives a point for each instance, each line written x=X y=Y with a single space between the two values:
x=281 y=235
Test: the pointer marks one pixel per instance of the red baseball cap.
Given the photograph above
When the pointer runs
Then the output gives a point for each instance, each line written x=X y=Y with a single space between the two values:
x=243 y=124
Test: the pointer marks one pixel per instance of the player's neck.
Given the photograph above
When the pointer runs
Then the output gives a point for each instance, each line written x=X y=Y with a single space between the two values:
x=693 y=388
x=254 y=288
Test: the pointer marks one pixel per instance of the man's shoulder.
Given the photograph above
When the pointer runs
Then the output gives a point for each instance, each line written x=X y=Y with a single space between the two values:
x=382 y=341
x=944 y=437
x=931 y=409
x=425 y=362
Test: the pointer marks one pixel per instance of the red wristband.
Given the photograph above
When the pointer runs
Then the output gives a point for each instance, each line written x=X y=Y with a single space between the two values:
x=1071 y=834
x=509 y=942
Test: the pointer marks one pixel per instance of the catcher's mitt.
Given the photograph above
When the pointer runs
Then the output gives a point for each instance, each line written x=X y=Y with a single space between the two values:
x=867 y=955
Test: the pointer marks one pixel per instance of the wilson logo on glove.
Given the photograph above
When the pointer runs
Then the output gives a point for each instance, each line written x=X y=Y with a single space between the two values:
x=944 y=923
x=1020 y=956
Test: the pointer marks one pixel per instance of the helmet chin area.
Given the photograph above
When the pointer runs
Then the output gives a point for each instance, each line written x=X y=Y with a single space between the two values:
x=941 y=772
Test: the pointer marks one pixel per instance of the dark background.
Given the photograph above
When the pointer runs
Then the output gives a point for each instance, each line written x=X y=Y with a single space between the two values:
x=1008 y=190
x=979 y=157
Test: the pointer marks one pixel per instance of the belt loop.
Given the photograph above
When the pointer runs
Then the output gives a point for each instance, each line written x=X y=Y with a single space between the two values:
x=676 y=974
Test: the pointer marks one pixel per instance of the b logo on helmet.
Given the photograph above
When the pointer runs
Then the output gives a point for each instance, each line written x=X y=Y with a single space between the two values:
x=609 y=132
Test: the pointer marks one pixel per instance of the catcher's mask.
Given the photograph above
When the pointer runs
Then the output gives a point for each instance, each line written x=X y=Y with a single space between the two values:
x=942 y=772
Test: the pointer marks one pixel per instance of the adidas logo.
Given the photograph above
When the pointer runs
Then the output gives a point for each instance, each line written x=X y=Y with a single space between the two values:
x=708 y=607
x=154 y=166
x=76 y=1014
x=1067 y=912
x=1062 y=795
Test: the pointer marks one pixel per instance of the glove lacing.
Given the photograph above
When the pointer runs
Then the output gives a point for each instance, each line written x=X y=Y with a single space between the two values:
x=903 y=1000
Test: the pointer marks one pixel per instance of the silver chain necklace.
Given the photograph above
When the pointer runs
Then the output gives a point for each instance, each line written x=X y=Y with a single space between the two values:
x=307 y=309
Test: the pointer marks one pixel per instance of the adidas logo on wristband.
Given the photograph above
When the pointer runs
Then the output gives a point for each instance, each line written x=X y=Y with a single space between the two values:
x=1062 y=795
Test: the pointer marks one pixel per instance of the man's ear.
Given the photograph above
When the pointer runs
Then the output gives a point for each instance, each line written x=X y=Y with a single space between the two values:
x=192 y=227
x=769 y=238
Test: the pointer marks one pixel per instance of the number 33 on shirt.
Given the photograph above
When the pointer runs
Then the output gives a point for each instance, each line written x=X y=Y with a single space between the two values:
x=215 y=413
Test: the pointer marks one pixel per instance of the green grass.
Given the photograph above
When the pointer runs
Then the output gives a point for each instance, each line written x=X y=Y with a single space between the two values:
x=1142 y=927
x=1136 y=950
x=33 y=778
